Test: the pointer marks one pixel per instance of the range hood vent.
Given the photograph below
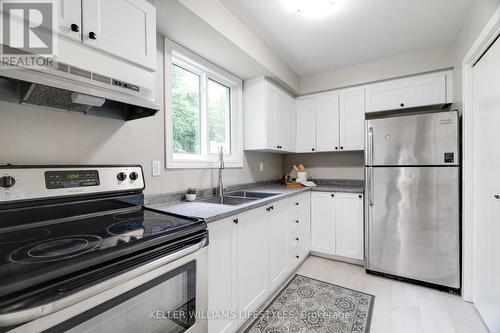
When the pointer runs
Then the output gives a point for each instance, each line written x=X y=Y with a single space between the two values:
x=62 y=86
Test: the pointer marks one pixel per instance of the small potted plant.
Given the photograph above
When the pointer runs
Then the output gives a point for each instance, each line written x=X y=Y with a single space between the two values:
x=191 y=194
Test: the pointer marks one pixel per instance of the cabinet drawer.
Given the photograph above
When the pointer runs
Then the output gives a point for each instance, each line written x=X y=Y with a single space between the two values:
x=300 y=202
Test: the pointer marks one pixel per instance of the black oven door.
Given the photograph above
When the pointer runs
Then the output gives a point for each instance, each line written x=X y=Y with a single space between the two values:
x=166 y=304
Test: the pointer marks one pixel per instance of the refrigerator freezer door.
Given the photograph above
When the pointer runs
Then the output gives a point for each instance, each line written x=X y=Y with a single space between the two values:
x=412 y=221
x=425 y=139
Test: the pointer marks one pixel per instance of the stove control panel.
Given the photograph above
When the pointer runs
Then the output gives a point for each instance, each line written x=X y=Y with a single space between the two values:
x=32 y=182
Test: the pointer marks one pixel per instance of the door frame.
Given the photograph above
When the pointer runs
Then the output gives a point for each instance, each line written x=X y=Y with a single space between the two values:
x=478 y=48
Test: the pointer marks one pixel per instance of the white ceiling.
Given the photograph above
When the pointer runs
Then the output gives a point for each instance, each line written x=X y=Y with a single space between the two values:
x=355 y=31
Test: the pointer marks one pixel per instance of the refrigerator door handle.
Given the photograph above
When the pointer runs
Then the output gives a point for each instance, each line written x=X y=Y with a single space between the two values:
x=370 y=163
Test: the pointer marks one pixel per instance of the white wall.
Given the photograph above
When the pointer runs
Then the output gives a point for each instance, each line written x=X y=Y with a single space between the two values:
x=227 y=24
x=37 y=136
x=339 y=165
x=479 y=13
x=405 y=64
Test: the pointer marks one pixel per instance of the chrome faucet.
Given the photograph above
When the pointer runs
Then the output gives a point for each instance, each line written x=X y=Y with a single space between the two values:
x=220 y=186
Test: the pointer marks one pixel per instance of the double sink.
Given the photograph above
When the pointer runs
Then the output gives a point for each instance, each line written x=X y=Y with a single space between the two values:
x=239 y=198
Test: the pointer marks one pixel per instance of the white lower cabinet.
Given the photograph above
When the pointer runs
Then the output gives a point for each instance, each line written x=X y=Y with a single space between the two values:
x=323 y=222
x=222 y=276
x=278 y=244
x=251 y=255
x=349 y=231
x=337 y=224
x=253 y=259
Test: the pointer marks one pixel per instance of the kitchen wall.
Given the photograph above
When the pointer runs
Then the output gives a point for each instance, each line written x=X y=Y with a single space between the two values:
x=339 y=165
x=405 y=64
x=478 y=15
x=37 y=136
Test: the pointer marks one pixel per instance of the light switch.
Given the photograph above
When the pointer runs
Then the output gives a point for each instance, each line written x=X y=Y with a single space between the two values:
x=155 y=168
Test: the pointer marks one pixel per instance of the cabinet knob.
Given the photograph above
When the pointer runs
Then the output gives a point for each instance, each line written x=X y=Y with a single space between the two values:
x=333 y=195
x=360 y=196
x=272 y=207
x=92 y=35
x=402 y=105
x=496 y=196
x=336 y=148
x=341 y=148
x=297 y=221
x=75 y=28
x=312 y=149
x=236 y=221
x=297 y=257
x=297 y=239
x=296 y=204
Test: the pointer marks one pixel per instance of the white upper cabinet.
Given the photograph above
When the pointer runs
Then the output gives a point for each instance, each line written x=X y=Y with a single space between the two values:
x=327 y=122
x=349 y=240
x=306 y=126
x=269 y=117
x=352 y=119
x=422 y=90
x=70 y=18
x=124 y=28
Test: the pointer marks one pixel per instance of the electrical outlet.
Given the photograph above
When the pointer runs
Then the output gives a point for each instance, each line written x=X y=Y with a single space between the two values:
x=155 y=168
x=261 y=166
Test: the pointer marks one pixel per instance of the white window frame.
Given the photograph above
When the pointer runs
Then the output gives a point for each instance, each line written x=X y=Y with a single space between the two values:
x=176 y=54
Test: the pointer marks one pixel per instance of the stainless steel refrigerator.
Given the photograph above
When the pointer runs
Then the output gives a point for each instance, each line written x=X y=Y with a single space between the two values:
x=412 y=214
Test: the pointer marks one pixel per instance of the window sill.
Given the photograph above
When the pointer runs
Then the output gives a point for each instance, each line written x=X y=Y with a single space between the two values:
x=202 y=165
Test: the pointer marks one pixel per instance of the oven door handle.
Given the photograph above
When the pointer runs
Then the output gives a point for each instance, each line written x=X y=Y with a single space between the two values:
x=26 y=315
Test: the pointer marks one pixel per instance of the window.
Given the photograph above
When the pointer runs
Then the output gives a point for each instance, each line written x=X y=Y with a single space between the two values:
x=203 y=111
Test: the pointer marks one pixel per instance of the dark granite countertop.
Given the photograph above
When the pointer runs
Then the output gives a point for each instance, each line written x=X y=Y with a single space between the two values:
x=212 y=212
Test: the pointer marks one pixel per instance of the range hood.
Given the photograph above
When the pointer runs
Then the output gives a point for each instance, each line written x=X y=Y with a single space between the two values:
x=64 y=87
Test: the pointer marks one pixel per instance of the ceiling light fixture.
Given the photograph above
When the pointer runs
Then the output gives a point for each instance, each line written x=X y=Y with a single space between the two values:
x=312 y=8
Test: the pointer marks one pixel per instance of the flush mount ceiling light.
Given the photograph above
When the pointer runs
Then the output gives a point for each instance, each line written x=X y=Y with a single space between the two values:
x=312 y=8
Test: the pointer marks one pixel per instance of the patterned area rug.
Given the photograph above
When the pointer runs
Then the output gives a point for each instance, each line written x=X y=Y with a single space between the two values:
x=308 y=305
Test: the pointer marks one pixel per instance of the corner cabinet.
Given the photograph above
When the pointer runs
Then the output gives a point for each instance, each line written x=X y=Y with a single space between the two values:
x=123 y=28
x=410 y=92
x=269 y=117
x=337 y=224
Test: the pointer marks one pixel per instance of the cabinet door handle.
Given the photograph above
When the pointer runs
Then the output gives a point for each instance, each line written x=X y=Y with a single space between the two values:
x=92 y=35
x=296 y=204
x=297 y=239
x=497 y=196
x=312 y=149
x=333 y=195
x=336 y=148
x=402 y=105
x=360 y=196
x=297 y=221
x=341 y=148
x=75 y=28
x=297 y=257
x=236 y=221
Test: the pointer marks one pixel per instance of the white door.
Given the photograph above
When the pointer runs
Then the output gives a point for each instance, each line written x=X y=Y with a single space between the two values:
x=306 y=126
x=124 y=28
x=349 y=231
x=323 y=222
x=486 y=211
x=222 y=275
x=352 y=119
x=327 y=123
x=253 y=259
x=69 y=18
x=278 y=243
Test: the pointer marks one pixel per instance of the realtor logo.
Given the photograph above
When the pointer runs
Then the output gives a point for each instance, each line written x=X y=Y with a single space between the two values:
x=27 y=33
x=27 y=27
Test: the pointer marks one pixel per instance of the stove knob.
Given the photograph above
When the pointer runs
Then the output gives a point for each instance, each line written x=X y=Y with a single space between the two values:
x=134 y=176
x=7 y=181
x=121 y=176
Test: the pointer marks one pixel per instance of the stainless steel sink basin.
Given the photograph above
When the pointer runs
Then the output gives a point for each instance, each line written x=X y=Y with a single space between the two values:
x=248 y=194
x=228 y=200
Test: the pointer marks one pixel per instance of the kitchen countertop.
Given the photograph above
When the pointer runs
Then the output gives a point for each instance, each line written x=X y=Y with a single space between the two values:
x=211 y=212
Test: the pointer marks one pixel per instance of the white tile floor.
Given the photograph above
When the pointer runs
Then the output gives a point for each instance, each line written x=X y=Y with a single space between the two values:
x=399 y=307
